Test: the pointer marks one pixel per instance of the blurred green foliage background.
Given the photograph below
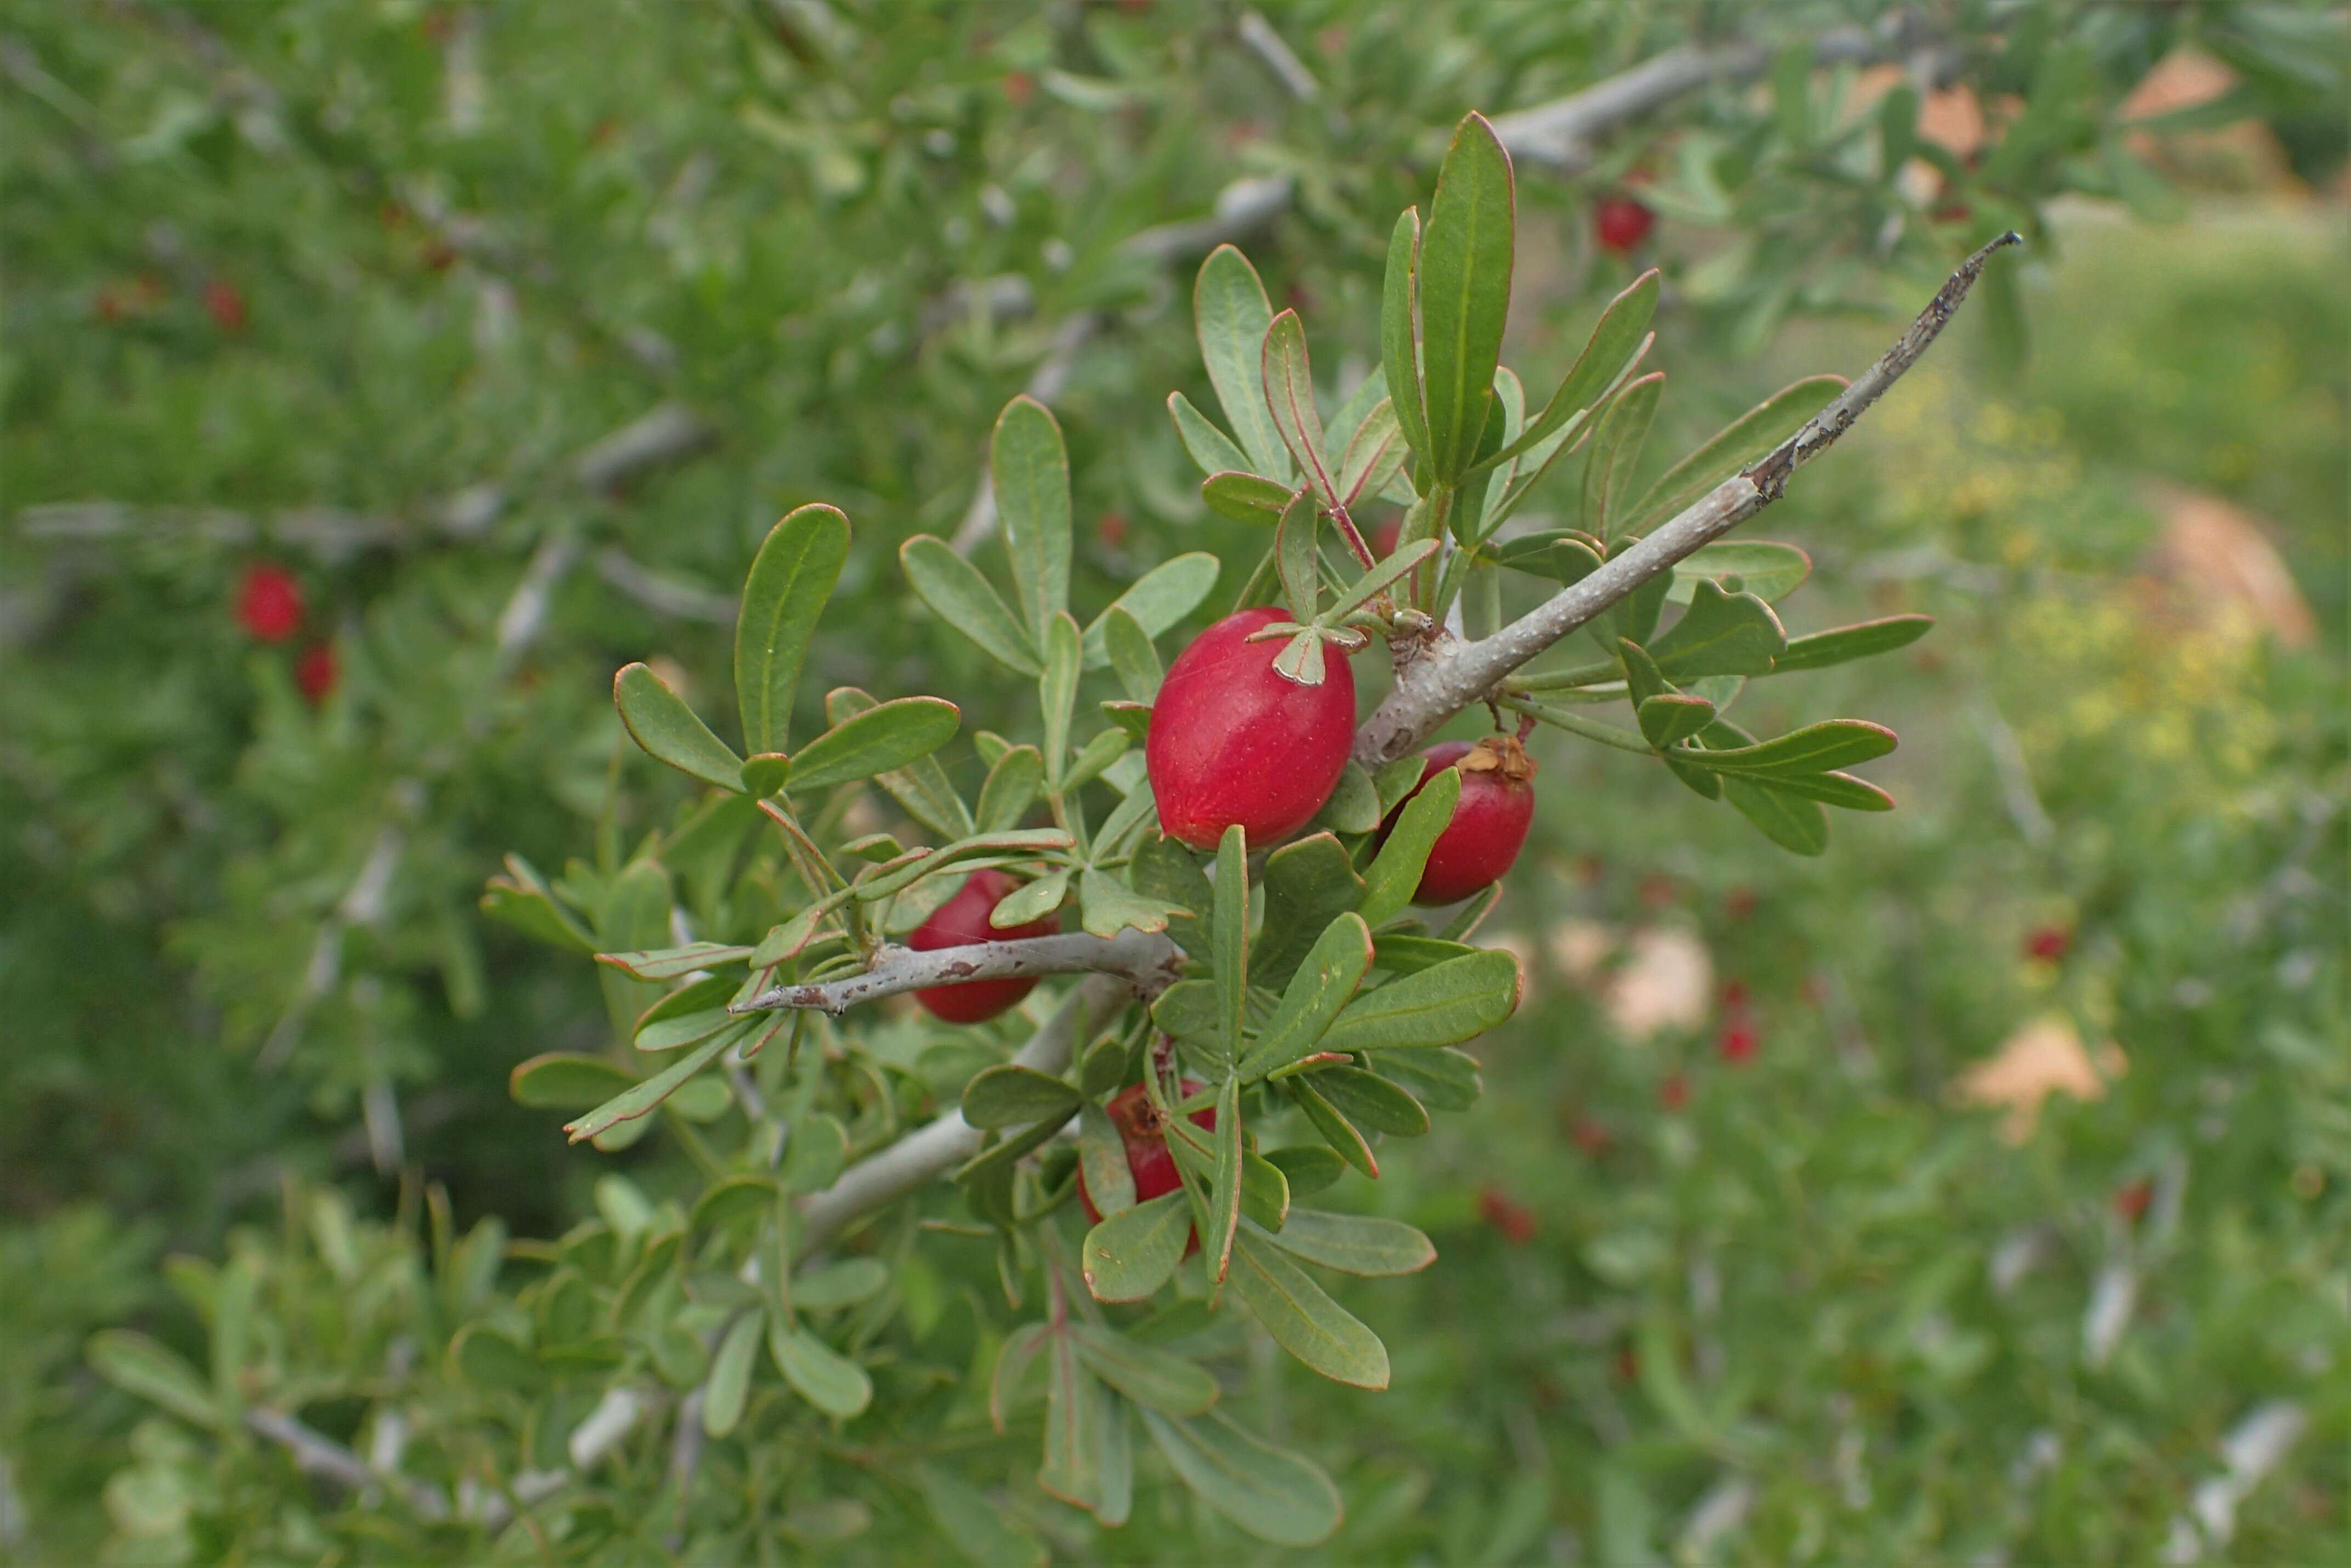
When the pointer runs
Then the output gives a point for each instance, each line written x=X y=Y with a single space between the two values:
x=1746 y=1255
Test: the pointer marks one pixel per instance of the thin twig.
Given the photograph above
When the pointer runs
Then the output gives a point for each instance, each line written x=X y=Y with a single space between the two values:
x=1144 y=958
x=1257 y=35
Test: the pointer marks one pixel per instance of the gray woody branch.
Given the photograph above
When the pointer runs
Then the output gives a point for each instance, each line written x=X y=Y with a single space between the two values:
x=1146 y=960
x=1449 y=676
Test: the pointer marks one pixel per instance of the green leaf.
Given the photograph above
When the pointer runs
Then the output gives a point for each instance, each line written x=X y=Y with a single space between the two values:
x=1011 y=1096
x=1012 y=1364
x=669 y=1033
x=824 y=1377
x=1368 y=1100
x=1232 y=313
x=1394 y=874
x=765 y=773
x=817 y=1152
x=1230 y=934
x=1130 y=1255
x=1128 y=647
x=1815 y=748
x=1336 y=1130
x=1301 y=1315
x=1159 y=599
x=1830 y=788
x=1720 y=635
x=1452 y=1002
x=667 y=729
x=1245 y=498
x=747 y=1195
x=1306 y=1167
x=1566 y=556
x=1165 y=870
x=832 y=1286
x=1322 y=985
x=645 y=1097
x=1265 y=1191
x=522 y=899
x=1155 y=1378
x=1357 y=1243
x=1354 y=804
x=674 y=963
x=1211 y=448
x=875 y=883
x=488 y=1359
x=971 y=1522
x=1442 y=1077
x=1401 y=560
x=1074 y=1416
x=1030 y=901
x=1111 y=906
x=1290 y=394
x=1616 y=445
x=1225 y=1190
x=1309 y=883
x=1465 y=293
x=1823 y=648
x=1671 y=718
x=1797 y=825
x=1771 y=571
x=1276 y=1495
x=961 y=597
x=1057 y=689
x=155 y=1372
x=790 y=579
x=1012 y=787
x=1102 y=1157
x=1611 y=350
x=881 y=739
x=921 y=787
x=1031 y=469
x=1373 y=455
x=730 y=1375
x=1748 y=439
x=563 y=1082
x=1399 y=359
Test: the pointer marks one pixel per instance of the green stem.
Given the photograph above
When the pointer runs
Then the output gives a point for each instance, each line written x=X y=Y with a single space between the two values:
x=1605 y=734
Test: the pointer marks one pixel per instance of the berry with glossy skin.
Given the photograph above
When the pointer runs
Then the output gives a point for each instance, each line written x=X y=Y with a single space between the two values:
x=269 y=603
x=963 y=920
x=1148 y=1159
x=1489 y=822
x=1620 y=222
x=1232 y=742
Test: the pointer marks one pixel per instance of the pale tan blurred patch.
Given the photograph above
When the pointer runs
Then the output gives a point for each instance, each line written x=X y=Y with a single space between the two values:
x=2043 y=1058
x=1665 y=982
x=2216 y=567
x=2246 y=155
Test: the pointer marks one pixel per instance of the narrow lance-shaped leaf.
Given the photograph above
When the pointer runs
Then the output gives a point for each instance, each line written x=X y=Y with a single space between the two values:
x=1245 y=498
x=1058 y=690
x=1102 y=1157
x=790 y=579
x=1325 y=982
x=1229 y=931
x=1399 y=356
x=730 y=1375
x=965 y=600
x=660 y=722
x=885 y=737
x=1823 y=648
x=1815 y=748
x=1769 y=570
x=1276 y=1495
x=1464 y=292
x=1290 y=394
x=643 y=1097
x=1298 y=559
x=1372 y=455
x=1615 y=339
x=1301 y=1315
x=1031 y=471
x=1230 y=313
x=1453 y=1001
x=1012 y=787
x=1361 y=591
x=1357 y=1243
x=1797 y=825
x=1395 y=873
x=1129 y=1256
x=1150 y=1376
x=922 y=786
x=1225 y=1190
x=1011 y=1096
x=1132 y=655
x=1157 y=601
x=1616 y=451
x=1211 y=448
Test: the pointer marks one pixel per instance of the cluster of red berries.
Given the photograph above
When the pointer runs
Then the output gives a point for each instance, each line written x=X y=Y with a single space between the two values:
x=269 y=609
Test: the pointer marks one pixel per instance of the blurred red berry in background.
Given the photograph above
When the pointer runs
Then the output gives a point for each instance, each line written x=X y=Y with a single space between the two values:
x=1620 y=222
x=1739 y=1041
x=2049 y=944
x=269 y=603
x=1111 y=529
x=1505 y=1214
x=225 y=305
x=1673 y=1093
x=1739 y=903
x=1020 y=86
x=316 y=671
x=2131 y=1199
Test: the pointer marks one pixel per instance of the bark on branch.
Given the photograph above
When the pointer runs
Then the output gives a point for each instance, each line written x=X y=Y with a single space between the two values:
x=1144 y=959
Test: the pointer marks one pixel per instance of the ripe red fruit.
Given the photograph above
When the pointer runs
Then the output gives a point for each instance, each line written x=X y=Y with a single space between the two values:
x=316 y=671
x=1507 y=1215
x=2049 y=944
x=1620 y=222
x=1489 y=822
x=1148 y=1158
x=269 y=603
x=1739 y=1041
x=962 y=920
x=1232 y=742
x=225 y=305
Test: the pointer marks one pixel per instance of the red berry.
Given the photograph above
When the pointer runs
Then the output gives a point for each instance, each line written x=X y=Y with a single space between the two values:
x=1385 y=538
x=1739 y=1041
x=1489 y=822
x=1111 y=529
x=1620 y=222
x=1592 y=1137
x=1148 y=1158
x=1740 y=902
x=1674 y=1094
x=1020 y=86
x=269 y=603
x=2131 y=1200
x=1232 y=742
x=2049 y=944
x=316 y=671
x=1507 y=1215
x=962 y=920
x=226 y=305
